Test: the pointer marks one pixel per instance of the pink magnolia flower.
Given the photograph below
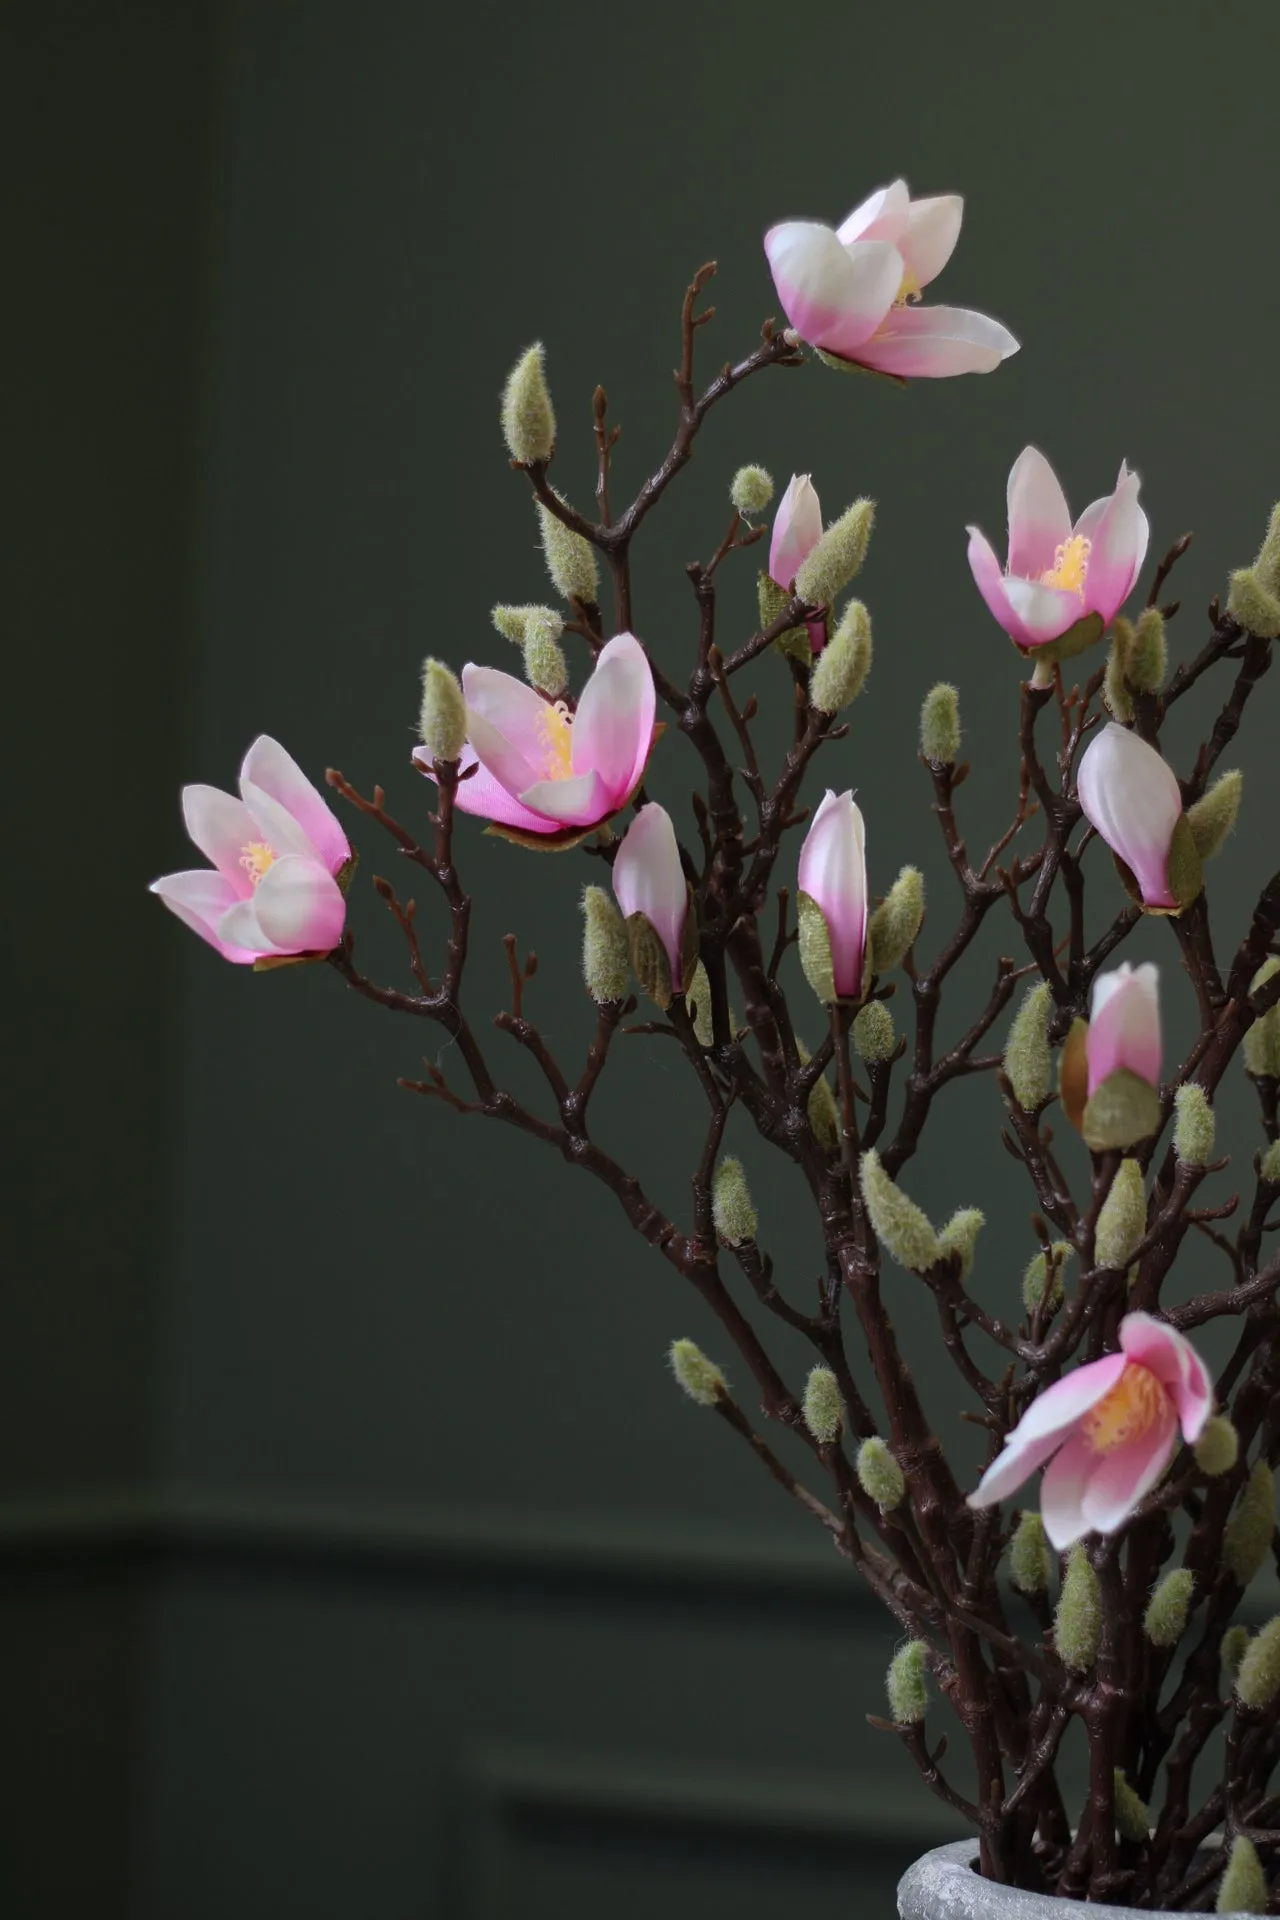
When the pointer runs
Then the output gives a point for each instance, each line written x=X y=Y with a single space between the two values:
x=545 y=775
x=1058 y=572
x=852 y=291
x=649 y=879
x=797 y=528
x=1124 y=1025
x=271 y=889
x=1108 y=1431
x=1132 y=799
x=833 y=872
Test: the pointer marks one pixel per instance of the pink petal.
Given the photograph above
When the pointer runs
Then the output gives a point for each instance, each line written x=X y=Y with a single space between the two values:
x=883 y=215
x=927 y=343
x=1120 y=1479
x=1119 y=546
x=495 y=752
x=1175 y=1363
x=200 y=898
x=797 y=528
x=486 y=797
x=613 y=727
x=833 y=871
x=276 y=825
x=509 y=707
x=1062 y=1493
x=299 y=906
x=1124 y=1028
x=1039 y=517
x=649 y=879
x=933 y=227
x=269 y=767
x=1131 y=797
x=1066 y=1402
x=222 y=828
x=989 y=576
x=1045 y=612
x=834 y=296
x=1011 y=1467
x=579 y=801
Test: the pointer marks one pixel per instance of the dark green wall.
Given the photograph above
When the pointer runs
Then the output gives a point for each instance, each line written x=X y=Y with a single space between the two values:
x=443 y=1601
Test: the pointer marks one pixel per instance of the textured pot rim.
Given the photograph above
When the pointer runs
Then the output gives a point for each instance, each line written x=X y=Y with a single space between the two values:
x=942 y=1885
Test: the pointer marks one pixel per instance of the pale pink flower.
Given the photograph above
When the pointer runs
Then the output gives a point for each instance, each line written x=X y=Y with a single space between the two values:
x=1107 y=1430
x=1124 y=1025
x=1132 y=799
x=546 y=773
x=833 y=872
x=1058 y=572
x=852 y=291
x=649 y=879
x=275 y=851
x=797 y=529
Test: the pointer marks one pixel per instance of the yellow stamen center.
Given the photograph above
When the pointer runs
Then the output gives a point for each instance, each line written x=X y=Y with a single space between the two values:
x=1070 y=565
x=909 y=292
x=555 y=731
x=255 y=857
x=1132 y=1407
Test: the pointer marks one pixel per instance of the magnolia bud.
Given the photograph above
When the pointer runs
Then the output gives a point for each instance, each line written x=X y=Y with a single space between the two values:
x=1077 y=1625
x=1269 y=1165
x=1212 y=818
x=701 y=1378
x=823 y=1409
x=605 y=956
x=1030 y=1562
x=1218 y=1447
x=699 y=1003
x=442 y=722
x=1262 y=1042
x=1115 y=689
x=1165 y=1620
x=1133 y=1816
x=1037 y=1276
x=900 y=1225
x=1243 y=1888
x=731 y=1208
x=873 y=1033
x=528 y=419
x=1123 y=1218
x=513 y=622
x=1267 y=564
x=940 y=725
x=814 y=941
x=751 y=489
x=1253 y=604
x=879 y=1475
x=842 y=668
x=1194 y=1128
x=896 y=921
x=1246 y=1543
x=1258 y=1677
x=1234 y=1642
x=570 y=558
x=960 y=1235
x=1146 y=654
x=1026 y=1052
x=905 y=1684
x=831 y=565
x=1120 y=1112
x=544 y=662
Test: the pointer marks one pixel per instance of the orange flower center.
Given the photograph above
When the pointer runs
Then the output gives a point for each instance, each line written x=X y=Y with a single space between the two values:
x=255 y=857
x=555 y=732
x=1070 y=565
x=1132 y=1407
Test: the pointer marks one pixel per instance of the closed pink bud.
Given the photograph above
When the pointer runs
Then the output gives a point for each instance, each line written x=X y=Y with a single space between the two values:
x=1124 y=1028
x=833 y=872
x=649 y=879
x=1131 y=798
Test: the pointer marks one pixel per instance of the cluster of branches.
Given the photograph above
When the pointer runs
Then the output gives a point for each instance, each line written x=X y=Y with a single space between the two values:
x=931 y=1560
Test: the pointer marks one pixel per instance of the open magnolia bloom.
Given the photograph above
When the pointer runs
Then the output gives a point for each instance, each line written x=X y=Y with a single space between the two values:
x=271 y=891
x=1108 y=1431
x=852 y=291
x=545 y=776
x=1131 y=797
x=1058 y=573
x=797 y=529
x=833 y=881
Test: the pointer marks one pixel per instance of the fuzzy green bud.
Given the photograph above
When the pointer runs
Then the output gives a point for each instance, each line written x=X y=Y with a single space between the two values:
x=1077 y=1625
x=1218 y=1447
x=698 y=999
x=1122 y=1111
x=841 y=669
x=751 y=489
x=1026 y=1052
x=829 y=566
x=902 y=1228
x=731 y=1208
x=1246 y=1543
x=960 y=1235
x=1165 y=1620
x=1212 y=817
x=895 y=923
x=1269 y=1165
x=1243 y=1888
x=1254 y=604
x=1258 y=1677
x=873 y=1039
x=1030 y=1561
x=701 y=1378
x=605 y=955
x=940 y=724
x=513 y=623
x=1267 y=564
x=528 y=418
x=1123 y=1219
x=545 y=666
x=772 y=601
x=570 y=557
x=879 y=1475
x=1045 y=1269
x=1194 y=1128
x=442 y=722
x=814 y=943
x=823 y=1407
x=1262 y=1042
x=1235 y=1641
x=1133 y=1815
x=905 y=1684
x=824 y=1115
x=1115 y=687
x=1146 y=655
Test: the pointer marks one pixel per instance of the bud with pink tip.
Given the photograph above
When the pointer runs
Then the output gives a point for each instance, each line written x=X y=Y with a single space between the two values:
x=1130 y=796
